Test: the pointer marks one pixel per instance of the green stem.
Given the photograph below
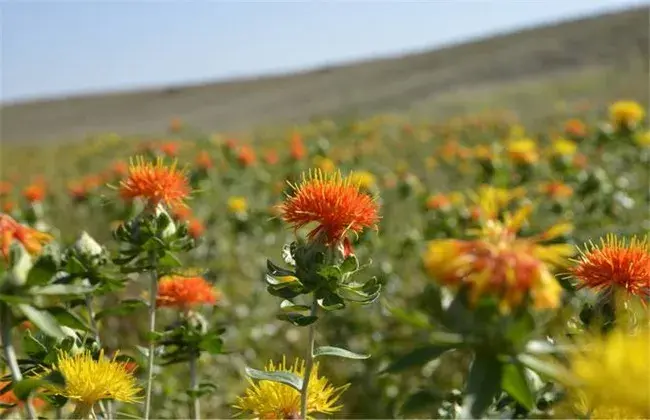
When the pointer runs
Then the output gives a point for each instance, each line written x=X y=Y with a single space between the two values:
x=83 y=411
x=10 y=354
x=153 y=294
x=195 y=404
x=105 y=410
x=309 y=364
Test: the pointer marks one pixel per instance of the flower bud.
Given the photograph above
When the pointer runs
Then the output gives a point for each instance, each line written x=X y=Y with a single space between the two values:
x=86 y=245
x=162 y=215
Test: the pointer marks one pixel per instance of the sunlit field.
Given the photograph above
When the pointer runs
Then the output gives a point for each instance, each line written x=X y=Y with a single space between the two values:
x=478 y=265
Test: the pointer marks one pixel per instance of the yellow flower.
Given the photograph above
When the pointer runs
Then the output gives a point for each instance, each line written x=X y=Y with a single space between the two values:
x=88 y=381
x=563 y=147
x=492 y=200
x=517 y=131
x=613 y=374
x=273 y=400
x=237 y=205
x=523 y=151
x=626 y=114
x=326 y=165
x=364 y=179
x=642 y=138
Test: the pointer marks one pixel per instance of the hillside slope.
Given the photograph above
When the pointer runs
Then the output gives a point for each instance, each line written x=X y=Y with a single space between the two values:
x=614 y=41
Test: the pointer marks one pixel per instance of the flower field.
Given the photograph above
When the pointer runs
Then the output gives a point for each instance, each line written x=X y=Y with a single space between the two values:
x=385 y=267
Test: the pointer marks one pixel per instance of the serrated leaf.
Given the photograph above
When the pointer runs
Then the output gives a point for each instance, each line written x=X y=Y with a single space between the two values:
x=286 y=378
x=516 y=384
x=42 y=271
x=43 y=320
x=32 y=346
x=338 y=352
x=483 y=384
x=330 y=301
x=417 y=357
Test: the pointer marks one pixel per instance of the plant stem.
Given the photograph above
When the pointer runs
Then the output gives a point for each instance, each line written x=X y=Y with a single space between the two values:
x=10 y=353
x=195 y=404
x=104 y=410
x=309 y=364
x=153 y=294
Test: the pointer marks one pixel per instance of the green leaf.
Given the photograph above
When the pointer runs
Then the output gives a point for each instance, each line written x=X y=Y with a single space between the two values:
x=43 y=320
x=516 y=384
x=421 y=400
x=552 y=371
x=211 y=343
x=25 y=387
x=298 y=319
x=275 y=271
x=338 y=352
x=483 y=384
x=417 y=357
x=288 y=306
x=287 y=378
x=68 y=318
x=32 y=346
x=413 y=318
x=170 y=260
x=42 y=271
x=14 y=299
x=61 y=289
x=124 y=308
x=350 y=265
x=330 y=301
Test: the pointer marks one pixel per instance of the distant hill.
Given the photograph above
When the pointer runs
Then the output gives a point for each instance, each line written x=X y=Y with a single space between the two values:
x=614 y=41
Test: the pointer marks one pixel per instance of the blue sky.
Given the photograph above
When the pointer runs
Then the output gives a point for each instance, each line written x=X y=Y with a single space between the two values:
x=51 y=48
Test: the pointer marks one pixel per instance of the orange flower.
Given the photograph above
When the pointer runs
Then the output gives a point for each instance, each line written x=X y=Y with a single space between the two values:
x=185 y=292
x=501 y=264
x=195 y=228
x=297 y=147
x=92 y=181
x=231 y=144
x=34 y=192
x=575 y=128
x=170 y=148
x=271 y=157
x=175 y=125
x=580 y=161
x=556 y=190
x=5 y=188
x=155 y=182
x=203 y=160
x=334 y=202
x=438 y=201
x=246 y=156
x=10 y=398
x=8 y=206
x=615 y=264
x=31 y=239
x=119 y=168
x=77 y=191
x=181 y=212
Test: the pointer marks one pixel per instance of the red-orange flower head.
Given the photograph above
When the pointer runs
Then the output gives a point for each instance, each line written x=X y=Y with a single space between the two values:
x=335 y=203
x=575 y=128
x=246 y=156
x=10 y=398
x=170 y=148
x=271 y=157
x=615 y=264
x=438 y=202
x=11 y=230
x=119 y=168
x=195 y=228
x=297 y=147
x=203 y=160
x=184 y=293
x=155 y=182
x=34 y=193
x=5 y=188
